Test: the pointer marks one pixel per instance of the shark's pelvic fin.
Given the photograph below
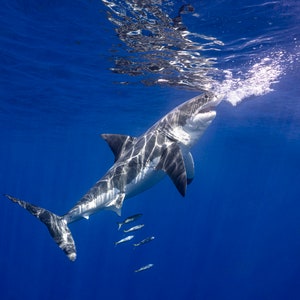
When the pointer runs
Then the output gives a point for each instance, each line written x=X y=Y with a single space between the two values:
x=173 y=164
x=118 y=143
x=57 y=226
x=117 y=203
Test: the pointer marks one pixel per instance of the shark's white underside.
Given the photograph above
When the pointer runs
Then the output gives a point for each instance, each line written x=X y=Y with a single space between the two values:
x=139 y=164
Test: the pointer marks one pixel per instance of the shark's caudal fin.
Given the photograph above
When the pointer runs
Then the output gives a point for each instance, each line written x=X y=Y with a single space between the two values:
x=56 y=225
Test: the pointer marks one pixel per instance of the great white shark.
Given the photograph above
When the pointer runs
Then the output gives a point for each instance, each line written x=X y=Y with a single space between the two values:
x=140 y=162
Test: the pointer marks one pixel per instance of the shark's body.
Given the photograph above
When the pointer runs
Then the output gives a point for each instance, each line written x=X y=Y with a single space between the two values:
x=139 y=163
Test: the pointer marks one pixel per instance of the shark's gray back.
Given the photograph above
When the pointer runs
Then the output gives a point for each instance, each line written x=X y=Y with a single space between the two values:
x=156 y=142
x=158 y=149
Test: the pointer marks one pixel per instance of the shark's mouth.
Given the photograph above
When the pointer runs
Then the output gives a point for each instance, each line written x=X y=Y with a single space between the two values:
x=207 y=109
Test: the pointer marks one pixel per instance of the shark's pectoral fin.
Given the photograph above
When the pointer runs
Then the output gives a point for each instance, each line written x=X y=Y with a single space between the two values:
x=173 y=164
x=116 y=204
x=118 y=143
x=189 y=166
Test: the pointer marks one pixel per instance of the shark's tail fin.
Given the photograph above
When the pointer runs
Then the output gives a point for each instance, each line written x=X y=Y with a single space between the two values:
x=56 y=225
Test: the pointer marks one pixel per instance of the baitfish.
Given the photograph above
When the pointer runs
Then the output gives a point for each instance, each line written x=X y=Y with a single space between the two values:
x=144 y=268
x=145 y=241
x=129 y=220
x=134 y=228
x=126 y=239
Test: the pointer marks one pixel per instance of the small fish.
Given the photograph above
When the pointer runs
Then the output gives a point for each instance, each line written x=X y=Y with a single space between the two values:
x=144 y=241
x=129 y=220
x=126 y=239
x=144 y=268
x=134 y=228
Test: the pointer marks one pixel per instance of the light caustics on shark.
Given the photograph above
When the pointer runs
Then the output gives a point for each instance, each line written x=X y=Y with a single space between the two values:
x=140 y=162
x=164 y=149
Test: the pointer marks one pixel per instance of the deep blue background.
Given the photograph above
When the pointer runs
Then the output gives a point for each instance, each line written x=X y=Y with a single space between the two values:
x=236 y=234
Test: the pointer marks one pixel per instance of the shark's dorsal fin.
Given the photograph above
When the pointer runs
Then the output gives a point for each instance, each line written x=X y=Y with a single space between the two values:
x=173 y=164
x=118 y=143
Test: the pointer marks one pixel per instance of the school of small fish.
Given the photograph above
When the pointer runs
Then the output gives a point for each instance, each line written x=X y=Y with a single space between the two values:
x=128 y=238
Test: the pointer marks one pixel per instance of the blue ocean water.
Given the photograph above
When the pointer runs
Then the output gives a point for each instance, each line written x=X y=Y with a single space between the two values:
x=71 y=70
